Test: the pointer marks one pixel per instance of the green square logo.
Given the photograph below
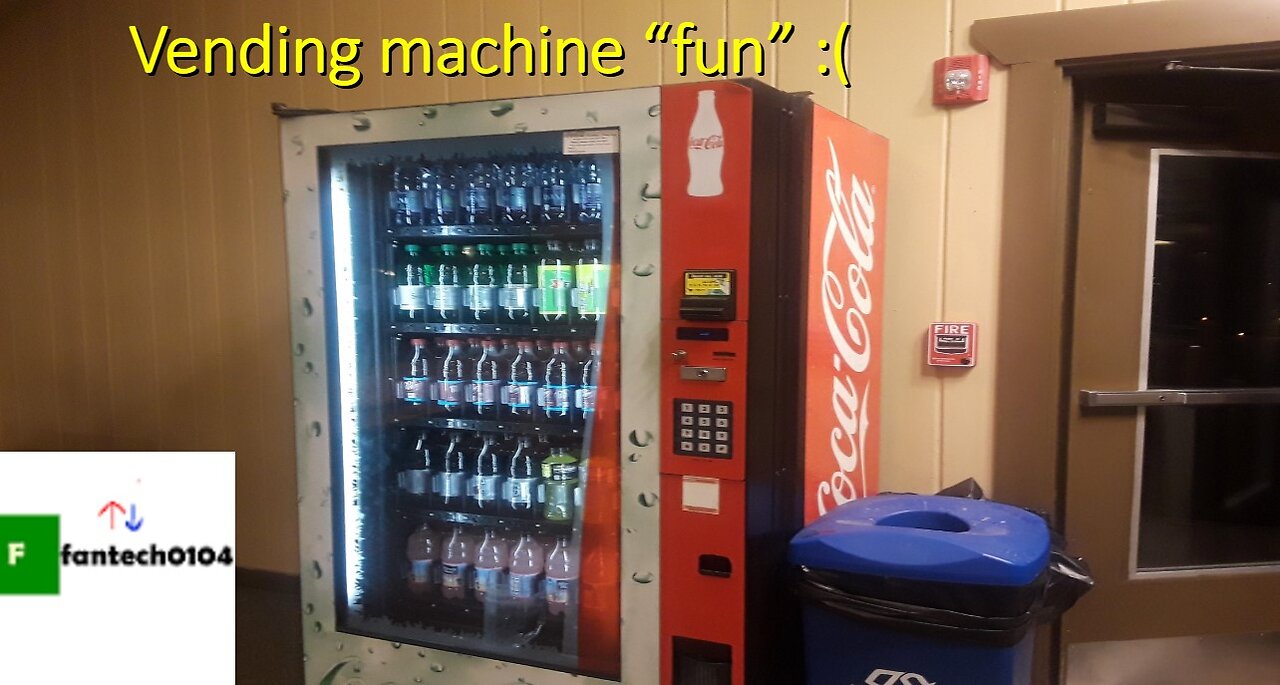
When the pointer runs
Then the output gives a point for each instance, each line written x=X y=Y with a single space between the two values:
x=29 y=563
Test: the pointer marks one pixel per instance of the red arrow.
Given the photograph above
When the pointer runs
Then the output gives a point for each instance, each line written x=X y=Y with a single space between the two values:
x=112 y=506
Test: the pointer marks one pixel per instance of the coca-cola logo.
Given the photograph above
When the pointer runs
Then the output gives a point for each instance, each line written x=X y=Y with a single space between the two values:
x=847 y=303
x=706 y=142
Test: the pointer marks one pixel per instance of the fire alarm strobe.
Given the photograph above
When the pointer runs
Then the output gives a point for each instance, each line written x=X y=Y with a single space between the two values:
x=953 y=344
x=961 y=79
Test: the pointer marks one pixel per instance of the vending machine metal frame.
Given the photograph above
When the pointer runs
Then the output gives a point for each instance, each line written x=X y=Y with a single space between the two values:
x=318 y=368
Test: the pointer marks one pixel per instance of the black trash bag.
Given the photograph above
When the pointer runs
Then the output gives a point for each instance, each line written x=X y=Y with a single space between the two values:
x=1068 y=578
x=978 y=614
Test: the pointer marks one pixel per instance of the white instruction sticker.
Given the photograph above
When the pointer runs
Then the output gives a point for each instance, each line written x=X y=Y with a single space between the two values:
x=700 y=495
x=597 y=142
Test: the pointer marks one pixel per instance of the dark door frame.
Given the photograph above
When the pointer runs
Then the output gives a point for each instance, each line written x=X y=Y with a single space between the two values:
x=1042 y=52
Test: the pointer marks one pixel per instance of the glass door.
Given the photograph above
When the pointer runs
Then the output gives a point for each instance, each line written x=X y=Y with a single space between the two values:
x=1173 y=455
x=474 y=359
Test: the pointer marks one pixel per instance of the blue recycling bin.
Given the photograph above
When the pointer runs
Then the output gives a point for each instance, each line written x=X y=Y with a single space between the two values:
x=920 y=589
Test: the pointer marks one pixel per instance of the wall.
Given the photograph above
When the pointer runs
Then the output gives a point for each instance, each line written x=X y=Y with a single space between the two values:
x=143 y=296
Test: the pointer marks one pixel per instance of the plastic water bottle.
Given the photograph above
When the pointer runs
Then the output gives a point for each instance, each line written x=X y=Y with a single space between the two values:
x=451 y=480
x=451 y=390
x=406 y=195
x=411 y=288
x=423 y=552
x=515 y=196
x=526 y=569
x=477 y=194
x=484 y=281
x=491 y=566
x=562 y=577
x=488 y=476
x=419 y=478
x=522 y=383
x=446 y=292
x=555 y=397
x=554 y=191
x=415 y=385
x=706 y=149
x=455 y=565
x=588 y=192
x=519 y=278
x=584 y=397
x=522 y=484
x=486 y=393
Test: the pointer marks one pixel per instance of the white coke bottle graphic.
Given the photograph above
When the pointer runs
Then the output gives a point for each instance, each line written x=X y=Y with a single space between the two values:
x=424 y=554
x=455 y=567
x=526 y=569
x=706 y=149
x=562 y=577
x=491 y=564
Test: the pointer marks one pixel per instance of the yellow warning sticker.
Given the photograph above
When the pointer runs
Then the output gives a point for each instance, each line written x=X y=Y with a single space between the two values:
x=708 y=283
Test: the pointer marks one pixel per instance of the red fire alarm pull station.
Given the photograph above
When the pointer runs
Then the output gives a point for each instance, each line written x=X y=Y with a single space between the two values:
x=961 y=79
x=953 y=344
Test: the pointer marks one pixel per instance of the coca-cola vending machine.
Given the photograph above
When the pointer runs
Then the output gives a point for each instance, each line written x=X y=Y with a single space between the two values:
x=570 y=371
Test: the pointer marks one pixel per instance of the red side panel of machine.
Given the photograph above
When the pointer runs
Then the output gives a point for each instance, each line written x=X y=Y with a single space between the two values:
x=706 y=220
x=849 y=173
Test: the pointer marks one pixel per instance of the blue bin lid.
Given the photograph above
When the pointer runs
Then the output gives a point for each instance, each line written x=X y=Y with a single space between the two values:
x=927 y=538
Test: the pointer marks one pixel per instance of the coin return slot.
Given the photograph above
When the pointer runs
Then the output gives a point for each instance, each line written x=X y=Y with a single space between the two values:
x=715 y=566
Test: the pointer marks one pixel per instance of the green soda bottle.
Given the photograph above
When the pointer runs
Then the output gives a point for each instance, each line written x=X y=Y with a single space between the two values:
x=592 y=275
x=555 y=283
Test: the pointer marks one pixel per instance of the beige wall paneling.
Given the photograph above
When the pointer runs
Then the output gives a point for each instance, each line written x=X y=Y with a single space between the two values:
x=238 y=291
x=316 y=20
x=975 y=180
x=126 y=252
x=34 y=411
x=192 y=152
x=524 y=18
x=753 y=18
x=409 y=19
x=93 y=422
x=799 y=58
x=464 y=19
x=1081 y=4
x=564 y=18
x=892 y=49
x=709 y=15
x=267 y=489
x=164 y=178
x=359 y=19
x=626 y=21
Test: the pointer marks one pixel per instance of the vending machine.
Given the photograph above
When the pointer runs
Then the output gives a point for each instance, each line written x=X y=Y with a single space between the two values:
x=569 y=372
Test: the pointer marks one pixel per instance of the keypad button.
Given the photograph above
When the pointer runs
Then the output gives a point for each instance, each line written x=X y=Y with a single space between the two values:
x=722 y=449
x=704 y=447
x=704 y=408
x=686 y=446
x=704 y=435
x=686 y=432
x=704 y=421
x=722 y=423
x=722 y=409
x=686 y=420
x=722 y=436
x=686 y=406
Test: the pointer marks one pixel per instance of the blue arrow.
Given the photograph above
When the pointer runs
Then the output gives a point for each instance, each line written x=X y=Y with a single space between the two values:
x=134 y=523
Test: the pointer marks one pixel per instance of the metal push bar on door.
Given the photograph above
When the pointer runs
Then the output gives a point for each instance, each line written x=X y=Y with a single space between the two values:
x=1179 y=396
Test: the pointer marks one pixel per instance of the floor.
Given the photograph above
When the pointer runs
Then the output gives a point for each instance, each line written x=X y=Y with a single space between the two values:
x=268 y=637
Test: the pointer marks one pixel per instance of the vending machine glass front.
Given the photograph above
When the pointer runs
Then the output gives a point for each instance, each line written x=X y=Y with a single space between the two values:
x=473 y=361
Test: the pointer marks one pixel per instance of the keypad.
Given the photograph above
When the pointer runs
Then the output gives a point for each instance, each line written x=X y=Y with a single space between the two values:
x=704 y=429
